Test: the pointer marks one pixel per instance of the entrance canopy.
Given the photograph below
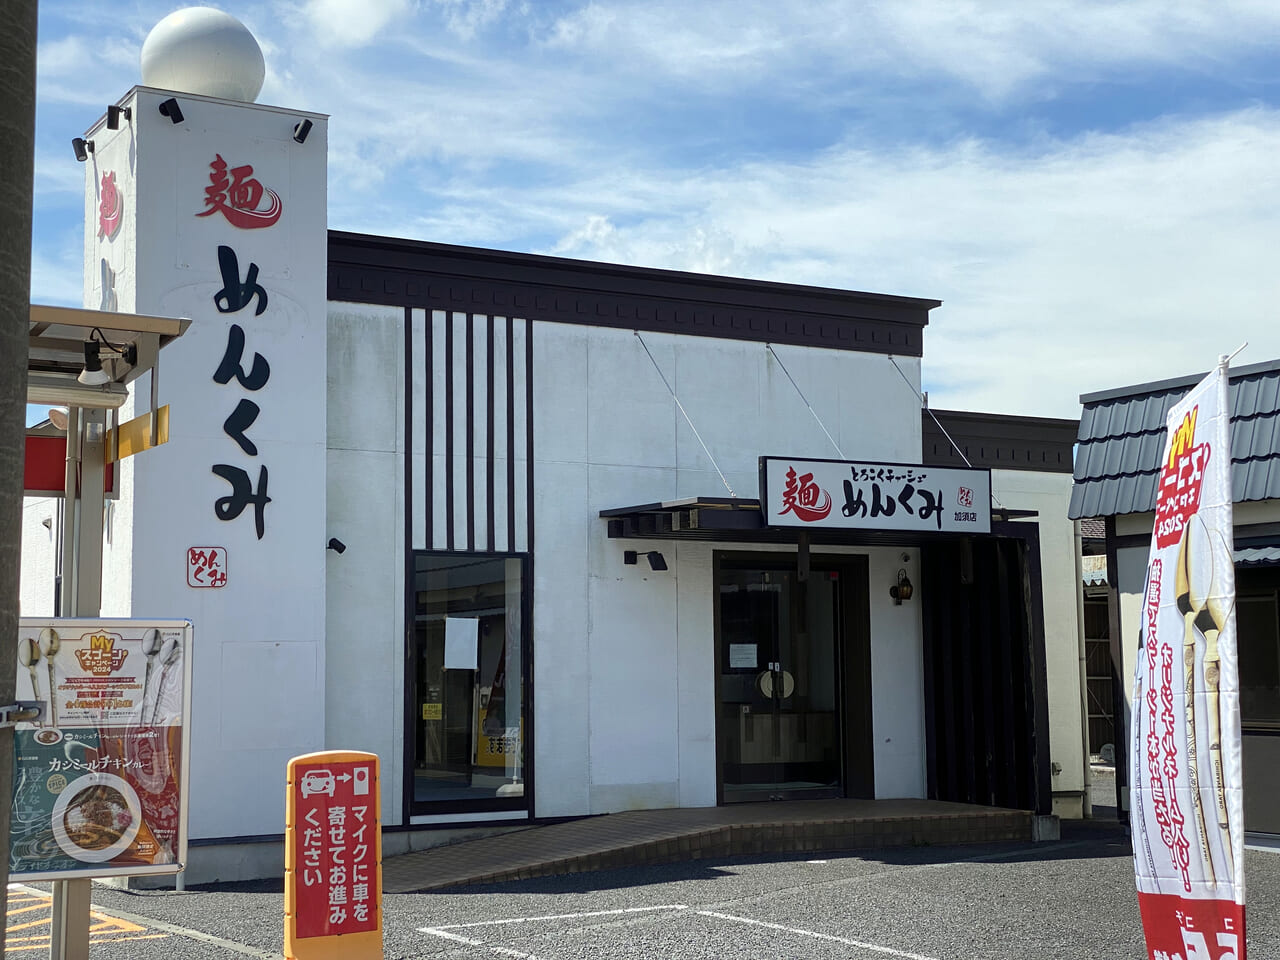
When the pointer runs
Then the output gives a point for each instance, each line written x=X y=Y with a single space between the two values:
x=740 y=519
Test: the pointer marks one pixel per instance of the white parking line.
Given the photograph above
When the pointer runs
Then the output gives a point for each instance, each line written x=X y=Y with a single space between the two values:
x=445 y=930
x=467 y=941
x=816 y=936
x=554 y=916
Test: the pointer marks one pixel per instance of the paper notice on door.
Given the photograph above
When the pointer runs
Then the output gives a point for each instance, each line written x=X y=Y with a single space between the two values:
x=461 y=643
x=743 y=655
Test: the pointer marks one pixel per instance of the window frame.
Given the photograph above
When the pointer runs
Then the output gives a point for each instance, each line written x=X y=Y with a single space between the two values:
x=501 y=807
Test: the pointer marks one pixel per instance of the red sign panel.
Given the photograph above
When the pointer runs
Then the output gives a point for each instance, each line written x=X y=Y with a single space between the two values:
x=335 y=848
x=45 y=465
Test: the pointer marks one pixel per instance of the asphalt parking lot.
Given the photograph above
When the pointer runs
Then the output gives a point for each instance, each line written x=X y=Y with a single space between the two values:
x=1072 y=898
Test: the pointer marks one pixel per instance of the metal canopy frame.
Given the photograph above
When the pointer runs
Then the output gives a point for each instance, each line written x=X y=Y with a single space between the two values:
x=57 y=335
x=739 y=519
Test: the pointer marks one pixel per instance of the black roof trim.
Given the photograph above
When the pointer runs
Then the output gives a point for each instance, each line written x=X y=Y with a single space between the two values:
x=418 y=273
x=1175 y=383
x=997 y=441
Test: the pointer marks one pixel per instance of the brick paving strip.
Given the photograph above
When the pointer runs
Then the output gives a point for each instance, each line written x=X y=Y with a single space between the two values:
x=647 y=837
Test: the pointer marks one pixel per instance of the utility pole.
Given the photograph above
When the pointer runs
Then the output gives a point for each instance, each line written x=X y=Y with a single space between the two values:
x=17 y=153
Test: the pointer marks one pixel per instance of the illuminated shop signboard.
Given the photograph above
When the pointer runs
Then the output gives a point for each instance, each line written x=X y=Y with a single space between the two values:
x=856 y=495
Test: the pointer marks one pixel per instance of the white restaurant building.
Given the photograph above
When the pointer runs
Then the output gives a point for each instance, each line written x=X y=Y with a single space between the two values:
x=376 y=436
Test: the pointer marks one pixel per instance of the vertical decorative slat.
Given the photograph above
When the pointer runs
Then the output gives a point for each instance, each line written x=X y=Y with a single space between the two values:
x=470 y=463
x=409 y=375
x=511 y=434
x=490 y=539
x=448 y=430
x=439 y=462
x=528 y=426
x=428 y=431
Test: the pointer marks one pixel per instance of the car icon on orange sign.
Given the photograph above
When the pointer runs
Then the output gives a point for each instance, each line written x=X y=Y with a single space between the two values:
x=318 y=781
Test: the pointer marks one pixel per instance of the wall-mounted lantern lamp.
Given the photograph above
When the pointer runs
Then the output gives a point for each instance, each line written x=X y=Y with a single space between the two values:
x=169 y=108
x=115 y=113
x=82 y=147
x=656 y=560
x=901 y=590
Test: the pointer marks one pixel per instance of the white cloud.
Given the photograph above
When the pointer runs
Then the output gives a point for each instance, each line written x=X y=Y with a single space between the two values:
x=466 y=17
x=1092 y=263
x=1000 y=48
x=351 y=23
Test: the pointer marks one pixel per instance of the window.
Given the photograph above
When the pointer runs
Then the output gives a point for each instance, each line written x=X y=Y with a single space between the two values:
x=468 y=676
x=1258 y=633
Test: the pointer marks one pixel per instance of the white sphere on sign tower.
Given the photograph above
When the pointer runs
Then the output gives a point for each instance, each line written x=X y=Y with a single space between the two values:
x=203 y=51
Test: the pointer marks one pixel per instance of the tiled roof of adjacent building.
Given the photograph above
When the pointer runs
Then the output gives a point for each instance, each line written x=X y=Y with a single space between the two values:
x=1122 y=434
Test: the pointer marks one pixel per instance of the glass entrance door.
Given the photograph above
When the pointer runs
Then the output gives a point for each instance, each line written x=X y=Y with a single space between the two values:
x=778 y=725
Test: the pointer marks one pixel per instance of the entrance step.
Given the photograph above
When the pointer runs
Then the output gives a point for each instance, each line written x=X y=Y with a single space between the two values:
x=646 y=837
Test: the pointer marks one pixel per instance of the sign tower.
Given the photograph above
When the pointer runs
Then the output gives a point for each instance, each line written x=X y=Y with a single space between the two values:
x=201 y=203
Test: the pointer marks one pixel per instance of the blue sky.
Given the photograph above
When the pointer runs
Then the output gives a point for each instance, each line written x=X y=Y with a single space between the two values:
x=1093 y=189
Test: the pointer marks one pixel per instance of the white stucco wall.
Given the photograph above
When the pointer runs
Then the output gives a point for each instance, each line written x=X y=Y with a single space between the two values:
x=364 y=586
x=624 y=665
x=1049 y=494
x=40 y=548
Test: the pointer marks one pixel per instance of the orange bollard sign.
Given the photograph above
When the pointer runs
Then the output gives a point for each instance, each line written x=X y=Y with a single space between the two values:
x=333 y=858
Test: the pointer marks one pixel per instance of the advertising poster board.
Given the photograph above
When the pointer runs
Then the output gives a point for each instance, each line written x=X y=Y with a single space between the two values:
x=100 y=782
x=1185 y=758
x=333 y=857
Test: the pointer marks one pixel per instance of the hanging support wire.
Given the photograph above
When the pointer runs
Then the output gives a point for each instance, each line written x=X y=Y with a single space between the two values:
x=769 y=347
x=685 y=413
x=925 y=406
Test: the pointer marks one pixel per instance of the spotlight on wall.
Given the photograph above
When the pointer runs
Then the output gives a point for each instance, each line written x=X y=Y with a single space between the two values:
x=337 y=546
x=93 y=375
x=656 y=560
x=95 y=348
x=301 y=129
x=901 y=590
x=114 y=113
x=169 y=108
x=82 y=147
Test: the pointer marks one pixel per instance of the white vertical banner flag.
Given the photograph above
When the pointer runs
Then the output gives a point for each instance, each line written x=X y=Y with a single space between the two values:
x=1184 y=761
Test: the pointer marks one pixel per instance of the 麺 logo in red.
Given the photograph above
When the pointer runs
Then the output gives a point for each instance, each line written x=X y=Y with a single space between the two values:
x=109 y=206
x=804 y=498
x=238 y=197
